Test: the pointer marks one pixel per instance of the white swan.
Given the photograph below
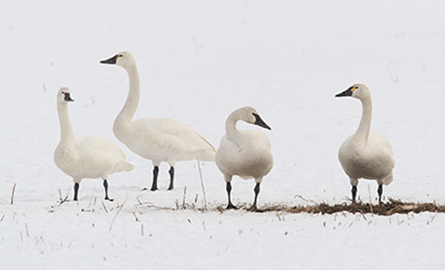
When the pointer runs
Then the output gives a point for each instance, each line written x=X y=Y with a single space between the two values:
x=365 y=155
x=85 y=157
x=156 y=139
x=245 y=153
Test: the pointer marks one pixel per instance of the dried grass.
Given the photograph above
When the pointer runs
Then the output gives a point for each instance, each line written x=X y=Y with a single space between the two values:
x=384 y=209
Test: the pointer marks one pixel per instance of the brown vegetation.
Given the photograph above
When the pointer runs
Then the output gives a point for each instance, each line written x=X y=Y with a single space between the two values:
x=384 y=209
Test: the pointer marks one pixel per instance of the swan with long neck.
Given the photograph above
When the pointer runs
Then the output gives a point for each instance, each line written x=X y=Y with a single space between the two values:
x=85 y=157
x=156 y=139
x=245 y=153
x=364 y=154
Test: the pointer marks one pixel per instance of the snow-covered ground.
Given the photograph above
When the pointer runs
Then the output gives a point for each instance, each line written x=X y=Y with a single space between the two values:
x=198 y=61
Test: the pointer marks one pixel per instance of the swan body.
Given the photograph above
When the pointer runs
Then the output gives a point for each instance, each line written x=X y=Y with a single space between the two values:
x=85 y=157
x=170 y=141
x=156 y=139
x=245 y=153
x=364 y=154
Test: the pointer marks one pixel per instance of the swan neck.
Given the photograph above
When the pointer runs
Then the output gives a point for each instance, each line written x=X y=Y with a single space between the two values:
x=126 y=115
x=231 y=129
x=364 y=127
x=66 y=131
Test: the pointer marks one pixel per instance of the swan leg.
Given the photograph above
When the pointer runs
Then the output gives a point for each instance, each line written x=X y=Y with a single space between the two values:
x=229 y=189
x=380 y=192
x=257 y=191
x=172 y=176
x=106 y=190
x=154 y=185
x=354 y=193
x=76 y=190
x=354 y=183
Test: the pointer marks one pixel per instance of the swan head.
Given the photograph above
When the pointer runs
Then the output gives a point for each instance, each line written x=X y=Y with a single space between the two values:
x=251 y=116
x=64 y=95
x=123 y=59
x=358 y=90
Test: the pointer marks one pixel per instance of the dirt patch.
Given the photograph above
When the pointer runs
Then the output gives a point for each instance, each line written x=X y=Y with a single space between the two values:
x=384 y=209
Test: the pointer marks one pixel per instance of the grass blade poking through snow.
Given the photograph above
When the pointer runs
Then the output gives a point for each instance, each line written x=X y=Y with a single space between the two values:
x=118 y=211
x=202 y=184
x=12 y=195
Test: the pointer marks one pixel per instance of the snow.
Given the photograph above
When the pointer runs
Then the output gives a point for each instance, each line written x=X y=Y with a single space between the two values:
x=198 y=61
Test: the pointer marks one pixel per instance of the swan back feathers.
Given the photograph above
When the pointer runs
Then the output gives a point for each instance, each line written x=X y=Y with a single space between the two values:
x=168 y=140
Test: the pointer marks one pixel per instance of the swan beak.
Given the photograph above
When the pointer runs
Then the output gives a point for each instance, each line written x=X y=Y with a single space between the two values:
x=346 y=93
x=68 y=97
x=111 y=60
x=260 y=122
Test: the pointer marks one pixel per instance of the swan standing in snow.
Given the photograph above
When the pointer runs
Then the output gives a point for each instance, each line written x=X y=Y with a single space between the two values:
x=245 y=153
x=365 y=155
x=157 y=139
x=85 y=157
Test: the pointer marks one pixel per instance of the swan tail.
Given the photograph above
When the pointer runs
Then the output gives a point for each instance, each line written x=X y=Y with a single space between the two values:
x=388 y=179
x=206 y=155
x=208 y=143
x=126 y=166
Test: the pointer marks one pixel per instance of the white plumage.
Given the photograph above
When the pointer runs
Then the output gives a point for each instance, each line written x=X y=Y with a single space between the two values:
x=365 y=155
x=85 y=157
x=157 y=139
x=245 y=153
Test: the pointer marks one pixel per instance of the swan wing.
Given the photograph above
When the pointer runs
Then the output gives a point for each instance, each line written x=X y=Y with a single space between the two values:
x=381 y=151
x=166 y=139
x=99 y=157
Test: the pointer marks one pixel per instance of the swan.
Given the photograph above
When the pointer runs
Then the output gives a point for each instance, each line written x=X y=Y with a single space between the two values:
x=156 y=139
x=85 y=157
x=245 y=153
x=365 y=155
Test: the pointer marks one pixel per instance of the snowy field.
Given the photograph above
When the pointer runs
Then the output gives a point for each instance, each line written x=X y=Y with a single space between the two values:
x=198 y=61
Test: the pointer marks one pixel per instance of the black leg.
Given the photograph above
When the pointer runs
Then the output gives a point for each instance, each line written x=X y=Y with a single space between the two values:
x=257 y=191
x=76 y=190
x=172 y=176
x=154 y=185
x=380 y=192
x=229 y=189
x=106 y=190
x=354 y=193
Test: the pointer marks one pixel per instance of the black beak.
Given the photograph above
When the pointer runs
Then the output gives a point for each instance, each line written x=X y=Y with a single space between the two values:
x=68 y=97
x=346 y=93
x=260 y=122
x=111 y=60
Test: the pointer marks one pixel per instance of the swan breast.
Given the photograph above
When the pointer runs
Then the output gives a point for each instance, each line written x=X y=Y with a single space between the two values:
x=247 y=155
x=374 y=160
